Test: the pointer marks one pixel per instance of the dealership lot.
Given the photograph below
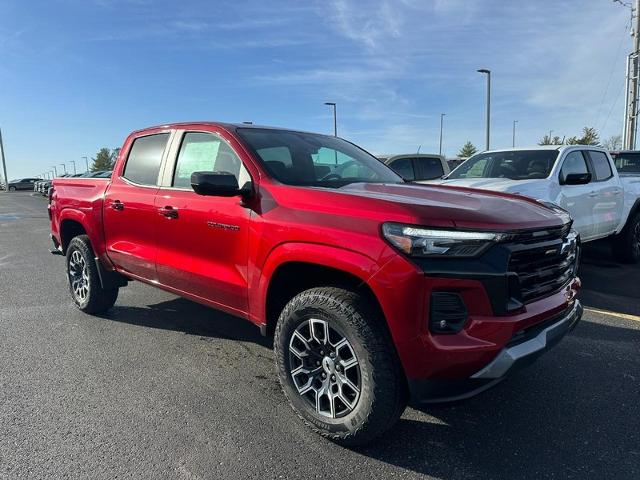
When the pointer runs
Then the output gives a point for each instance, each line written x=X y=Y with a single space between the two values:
x=164 y=388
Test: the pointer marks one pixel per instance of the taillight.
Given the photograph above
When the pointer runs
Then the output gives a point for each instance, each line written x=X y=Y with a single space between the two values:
x=50 y=193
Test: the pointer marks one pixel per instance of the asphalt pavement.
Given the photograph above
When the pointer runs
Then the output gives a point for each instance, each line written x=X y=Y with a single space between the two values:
x=162 y=387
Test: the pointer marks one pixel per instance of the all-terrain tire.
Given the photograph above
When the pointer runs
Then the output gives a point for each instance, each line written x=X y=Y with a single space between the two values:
x=382 y=394
x=84 y=281
x=626 y=245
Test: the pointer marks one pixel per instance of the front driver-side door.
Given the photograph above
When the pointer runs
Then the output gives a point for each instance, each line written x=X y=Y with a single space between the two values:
x=203 y=240
x=578 y=200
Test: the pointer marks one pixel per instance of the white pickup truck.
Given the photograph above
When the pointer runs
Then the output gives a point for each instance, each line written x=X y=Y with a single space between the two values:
x=579 y=178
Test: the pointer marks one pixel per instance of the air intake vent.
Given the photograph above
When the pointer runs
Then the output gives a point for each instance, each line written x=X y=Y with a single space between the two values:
x=448 y=312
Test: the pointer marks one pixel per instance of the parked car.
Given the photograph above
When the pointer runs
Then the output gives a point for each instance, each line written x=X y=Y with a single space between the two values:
x=581 y=179
x=417 y=166
x=373 y=287
x=22 y=184
x=44 y=187
x=627 y=162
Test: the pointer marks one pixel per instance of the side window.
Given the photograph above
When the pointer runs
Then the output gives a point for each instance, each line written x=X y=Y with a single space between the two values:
x=600 y=165
x=206 y=152
x=573 y=163
x=145 y=156
x=627 y=162
x=428 y=168
x=404 y=168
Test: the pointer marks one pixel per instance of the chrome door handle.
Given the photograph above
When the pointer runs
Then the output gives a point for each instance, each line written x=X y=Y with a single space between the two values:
x=168 y=212
x=117 y=205
x=593 y=194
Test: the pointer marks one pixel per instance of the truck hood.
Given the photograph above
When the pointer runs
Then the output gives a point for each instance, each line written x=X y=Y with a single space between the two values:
x=493 y=184
x=457 y=206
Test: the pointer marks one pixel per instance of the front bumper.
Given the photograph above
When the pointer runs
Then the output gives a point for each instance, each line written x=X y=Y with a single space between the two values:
x=520 y=351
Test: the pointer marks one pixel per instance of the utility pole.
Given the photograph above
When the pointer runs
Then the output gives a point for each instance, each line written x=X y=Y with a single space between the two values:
x=488 y=73
x=4 y=164
x=87 y=162
x=74 y=165
x=633 y=70
x=513 y=141
x=441 y=123
x=55 y=171
x=64 y=167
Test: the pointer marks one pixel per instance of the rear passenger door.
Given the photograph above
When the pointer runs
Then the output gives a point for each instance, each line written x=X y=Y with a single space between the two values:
x=607 y=210
x=130 y=215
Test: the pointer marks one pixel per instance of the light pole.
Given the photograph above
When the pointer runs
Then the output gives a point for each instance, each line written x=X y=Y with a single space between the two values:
x=4 y=164
x=513 y=143
x=335 y=119
x=488 y=73
x=55 y=171
x=441 y=124
x=74 y=165
x=87 y=162
x=64 y=168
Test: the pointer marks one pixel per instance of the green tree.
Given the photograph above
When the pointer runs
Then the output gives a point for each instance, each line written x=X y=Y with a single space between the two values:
x=547 y=140
x=589 y=137
x=103 y=160
x=467 y=150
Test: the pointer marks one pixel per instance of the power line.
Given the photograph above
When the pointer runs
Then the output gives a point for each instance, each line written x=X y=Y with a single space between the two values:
x=613 y=66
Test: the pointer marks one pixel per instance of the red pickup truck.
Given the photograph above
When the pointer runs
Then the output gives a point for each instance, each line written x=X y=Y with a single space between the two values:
x=374 y=289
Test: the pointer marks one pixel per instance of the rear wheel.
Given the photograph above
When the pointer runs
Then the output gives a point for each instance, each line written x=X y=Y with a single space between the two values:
x=84 y=281
x=337 y=365
x=626 y=245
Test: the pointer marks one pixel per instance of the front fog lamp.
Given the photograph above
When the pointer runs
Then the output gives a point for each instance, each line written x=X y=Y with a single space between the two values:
x=427 y=242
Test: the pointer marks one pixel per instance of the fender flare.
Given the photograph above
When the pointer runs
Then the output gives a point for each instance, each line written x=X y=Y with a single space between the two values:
x=348 y=261
x=93 y=232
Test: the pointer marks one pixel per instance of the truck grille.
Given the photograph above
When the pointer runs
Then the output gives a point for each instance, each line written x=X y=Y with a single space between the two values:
x=544 y=262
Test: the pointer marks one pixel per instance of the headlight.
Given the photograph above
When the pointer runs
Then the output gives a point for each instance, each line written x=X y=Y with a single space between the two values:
x=430 y=242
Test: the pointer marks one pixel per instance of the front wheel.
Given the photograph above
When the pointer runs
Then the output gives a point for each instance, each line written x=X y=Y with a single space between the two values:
x=337 y=365
x=84 y=281
x=12 y=189
x=626 y=245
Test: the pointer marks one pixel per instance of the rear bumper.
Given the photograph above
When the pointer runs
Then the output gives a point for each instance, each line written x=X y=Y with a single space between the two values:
x=520 y=351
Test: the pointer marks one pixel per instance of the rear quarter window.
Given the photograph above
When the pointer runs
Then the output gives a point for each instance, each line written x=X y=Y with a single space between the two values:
x=601 y=165
x=145 y=157
x=428 y=168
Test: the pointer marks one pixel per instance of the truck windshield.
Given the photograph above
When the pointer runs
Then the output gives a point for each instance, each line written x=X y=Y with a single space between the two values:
x=297 y=158
x=512 y=164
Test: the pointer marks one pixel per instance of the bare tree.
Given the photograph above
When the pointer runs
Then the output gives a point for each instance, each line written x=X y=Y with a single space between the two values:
x=614 y=142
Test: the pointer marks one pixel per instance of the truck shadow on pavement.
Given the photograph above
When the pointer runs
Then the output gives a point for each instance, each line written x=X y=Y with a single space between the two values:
x=191 y=318
x=608 y=284
x=573 y=414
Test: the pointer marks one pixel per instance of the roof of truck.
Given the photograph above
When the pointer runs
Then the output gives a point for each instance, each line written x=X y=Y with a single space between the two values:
x=225 y=125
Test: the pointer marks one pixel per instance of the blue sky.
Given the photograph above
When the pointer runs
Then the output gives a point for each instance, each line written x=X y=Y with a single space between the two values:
x=77 y=75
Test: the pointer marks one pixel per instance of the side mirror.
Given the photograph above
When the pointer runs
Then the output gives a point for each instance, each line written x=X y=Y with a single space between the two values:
x=218 y=184
x=577 y=179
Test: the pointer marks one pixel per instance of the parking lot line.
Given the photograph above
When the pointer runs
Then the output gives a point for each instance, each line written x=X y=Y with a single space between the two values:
x=624 y=316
